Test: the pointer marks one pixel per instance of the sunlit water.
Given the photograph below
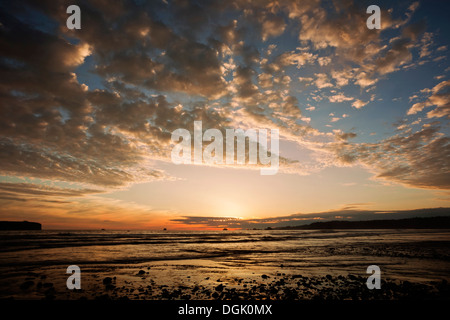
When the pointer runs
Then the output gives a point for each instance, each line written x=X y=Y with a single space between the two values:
x=409 y=254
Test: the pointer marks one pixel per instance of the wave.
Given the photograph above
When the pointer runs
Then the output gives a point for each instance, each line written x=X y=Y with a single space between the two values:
x=46 y=240
x=52 y=248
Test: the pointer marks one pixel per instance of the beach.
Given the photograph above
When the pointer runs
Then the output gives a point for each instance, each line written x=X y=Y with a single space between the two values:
x=226 y=265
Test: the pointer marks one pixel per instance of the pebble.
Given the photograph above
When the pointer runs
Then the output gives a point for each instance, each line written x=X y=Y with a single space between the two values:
x=107 y=280
x=326 y=287
x=220 y=287
x=26 y=285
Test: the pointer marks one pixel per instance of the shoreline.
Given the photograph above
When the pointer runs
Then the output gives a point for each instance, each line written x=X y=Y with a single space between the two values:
x=237 y=266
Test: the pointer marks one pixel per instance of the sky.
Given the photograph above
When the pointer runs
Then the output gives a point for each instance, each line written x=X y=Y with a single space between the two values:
x=87 y=115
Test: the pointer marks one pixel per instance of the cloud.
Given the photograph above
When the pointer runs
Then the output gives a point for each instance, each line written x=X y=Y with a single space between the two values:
x=296 y=58
x=440 y=97
x=426 y=42
x=339 y=27
x=416 y=160
x=147 y=76
x=358 y=104
x=54 y=127
x=364 y=79
x=349 y=212
x=398 y=55
x=340 y=98
x=323 y=61
x=272 y=26
x=345 y=135
x=322 y=81
x=342 y=77
x=218 y=222
x=305 y=79
x=38 y=192
x=34 y=162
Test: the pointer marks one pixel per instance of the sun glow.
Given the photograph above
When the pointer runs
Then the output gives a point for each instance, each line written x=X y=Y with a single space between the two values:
x=228 y=208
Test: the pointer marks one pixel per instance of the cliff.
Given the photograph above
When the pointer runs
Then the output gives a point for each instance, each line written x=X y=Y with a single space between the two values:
x=411 y=223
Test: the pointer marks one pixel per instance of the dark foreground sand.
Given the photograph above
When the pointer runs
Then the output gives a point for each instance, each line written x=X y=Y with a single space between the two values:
x=144 y=284
x=255 y=265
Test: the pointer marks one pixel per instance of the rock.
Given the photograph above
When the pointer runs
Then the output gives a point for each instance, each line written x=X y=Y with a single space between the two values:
x=26 y=285
x=141 y=272
x=264 y=276
x=220 y=287
x=107 y=281
x=109 y=287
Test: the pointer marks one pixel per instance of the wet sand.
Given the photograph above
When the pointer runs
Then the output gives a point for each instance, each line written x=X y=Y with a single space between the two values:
x=253 y=265
x=174 y=281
